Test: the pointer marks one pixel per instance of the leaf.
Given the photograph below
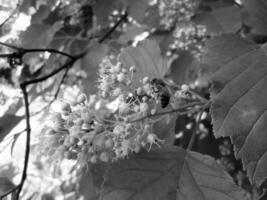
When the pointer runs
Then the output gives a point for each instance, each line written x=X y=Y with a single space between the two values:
x=203 y=178
x=5 y=185
x=40 y=15
x=227 y=47
x=137 y=9
x=90 y=182
x=102 y=9
x=7 y=123
x=221 y=20
x=164 y=129
x=39 y=35
x=171 y=173
x=254 y=15
x=238 y=95
x=147 y=59
x=130 y=33
x=152 y=18
x=26 y=5
x=183 y=68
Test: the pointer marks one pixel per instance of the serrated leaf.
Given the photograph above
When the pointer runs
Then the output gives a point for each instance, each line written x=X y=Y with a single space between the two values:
x=203 y=178
x=147 y=59
x=238 y=95
x=227 y=47
x=255 y=16
x=7 y=123
x=169 y=173
x=221 y=20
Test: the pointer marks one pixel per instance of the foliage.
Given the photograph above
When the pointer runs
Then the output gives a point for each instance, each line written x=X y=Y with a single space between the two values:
x=115 y=99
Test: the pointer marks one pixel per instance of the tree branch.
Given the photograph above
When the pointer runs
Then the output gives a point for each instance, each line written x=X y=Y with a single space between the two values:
x=122 y=18
x=28 y=138
x=11 y=15
x=21 y=51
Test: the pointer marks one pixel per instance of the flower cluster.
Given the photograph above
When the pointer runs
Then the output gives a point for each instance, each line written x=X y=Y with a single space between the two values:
x=111 y=124
x=173 y=11
x=189 y=37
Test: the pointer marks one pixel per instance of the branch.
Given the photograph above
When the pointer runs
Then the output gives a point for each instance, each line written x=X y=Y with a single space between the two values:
x=45 y=77
x=28 y=138
x=180 y=111
x=21 y=51
x=11 y=15
x=10 y=192
x=122 y=18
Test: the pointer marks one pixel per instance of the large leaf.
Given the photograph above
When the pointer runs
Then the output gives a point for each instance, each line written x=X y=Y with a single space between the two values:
x=238 y=95
x=255 y=16
x=147 y=59
x=221 y=20
x=7 y=123
x=171 y=173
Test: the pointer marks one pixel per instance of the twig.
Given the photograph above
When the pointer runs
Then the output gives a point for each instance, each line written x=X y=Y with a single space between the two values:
x=202 y=99
x=28 y=137
x=180 y=111
x=10 y=46
x=57 y=91
x=45 y=77
x=10 y=16
x=10 y=192
x=122 y=18
x=21 y=51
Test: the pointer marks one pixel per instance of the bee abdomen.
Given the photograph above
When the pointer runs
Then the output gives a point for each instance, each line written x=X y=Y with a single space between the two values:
x=164 y=100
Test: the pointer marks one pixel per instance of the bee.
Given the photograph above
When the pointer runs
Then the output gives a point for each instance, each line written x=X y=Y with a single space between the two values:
x=160 y=90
